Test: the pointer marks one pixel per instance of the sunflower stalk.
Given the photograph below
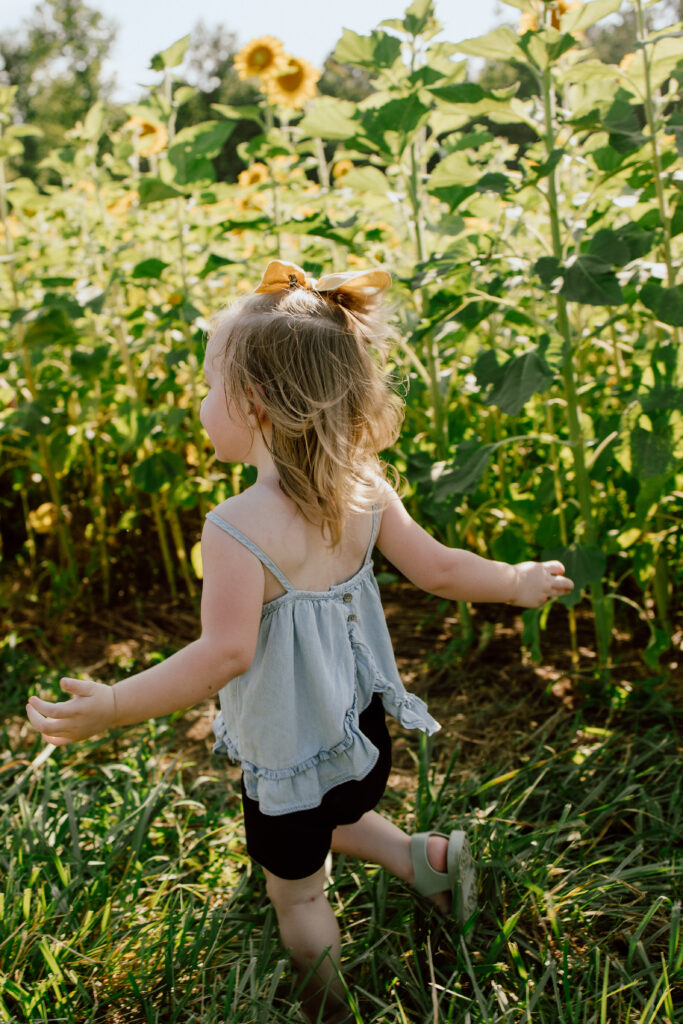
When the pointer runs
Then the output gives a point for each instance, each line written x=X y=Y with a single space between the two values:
x=576 y=438
x=440 y=432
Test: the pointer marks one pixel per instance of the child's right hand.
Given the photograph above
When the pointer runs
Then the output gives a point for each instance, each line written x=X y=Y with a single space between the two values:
x=91 y=710
x=538 y=582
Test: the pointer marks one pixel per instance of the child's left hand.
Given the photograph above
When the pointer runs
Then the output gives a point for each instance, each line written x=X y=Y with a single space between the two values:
x=538 y=582
x=91 y=710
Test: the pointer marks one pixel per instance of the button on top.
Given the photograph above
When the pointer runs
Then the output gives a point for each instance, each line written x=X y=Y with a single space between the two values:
x=347 y=598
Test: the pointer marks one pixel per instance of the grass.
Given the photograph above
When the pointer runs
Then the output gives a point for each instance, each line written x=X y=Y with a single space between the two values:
x=129 y=898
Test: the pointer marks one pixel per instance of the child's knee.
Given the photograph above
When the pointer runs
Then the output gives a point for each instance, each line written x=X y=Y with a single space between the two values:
x=286 y=893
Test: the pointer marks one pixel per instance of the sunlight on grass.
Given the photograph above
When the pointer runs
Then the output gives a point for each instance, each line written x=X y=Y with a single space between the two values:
x=129 y=895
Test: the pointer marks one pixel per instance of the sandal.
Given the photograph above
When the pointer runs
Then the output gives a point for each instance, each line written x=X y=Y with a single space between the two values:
x=460 y=876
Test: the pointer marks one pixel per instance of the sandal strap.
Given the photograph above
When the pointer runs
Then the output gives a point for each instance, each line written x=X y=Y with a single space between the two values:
x=427 y=880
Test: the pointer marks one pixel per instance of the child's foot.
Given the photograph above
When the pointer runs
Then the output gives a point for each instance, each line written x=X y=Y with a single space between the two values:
x=437 y=854
x=444 y=872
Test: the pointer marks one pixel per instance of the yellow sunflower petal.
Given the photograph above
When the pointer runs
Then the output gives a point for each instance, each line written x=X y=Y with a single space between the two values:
x=257 y=174
x=295 y=85
x=261 y=57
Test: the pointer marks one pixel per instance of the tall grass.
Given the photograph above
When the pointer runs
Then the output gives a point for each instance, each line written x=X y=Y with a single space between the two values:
x=129 y=897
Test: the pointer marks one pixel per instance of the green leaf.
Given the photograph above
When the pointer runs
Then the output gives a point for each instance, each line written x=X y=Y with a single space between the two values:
x=366 y=179
x=378 y=50
x=461 y=92
x=464 y=479
x=548 y=269
x=172 y=56
x=618 y=247
x=329 y=118
x=521 y=377
x=665 y=303
x=90 y=363
x=152 y=190
x=401 y=116
x=583 y=565
x=149 y=268
x=215 y=262
x=651 y=453
x=245 y=113
x=158 y=470
x=500 y=44
x=93 y=124
x=621 y=121
x=206 y=138
x=192 y=151
x=418 y=17
x=52 y=323
x=581 y=18
x=454 y=169
x=591 y=282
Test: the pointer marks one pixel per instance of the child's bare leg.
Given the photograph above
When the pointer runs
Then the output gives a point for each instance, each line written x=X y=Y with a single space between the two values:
x=309 y=929
x=376 y=839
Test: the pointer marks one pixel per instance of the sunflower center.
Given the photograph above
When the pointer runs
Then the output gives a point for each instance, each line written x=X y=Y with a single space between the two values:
x=292 y=80
x=261 y=57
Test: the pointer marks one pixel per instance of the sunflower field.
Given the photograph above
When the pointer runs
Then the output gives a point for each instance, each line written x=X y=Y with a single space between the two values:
x=533 y=231
x=535 y=249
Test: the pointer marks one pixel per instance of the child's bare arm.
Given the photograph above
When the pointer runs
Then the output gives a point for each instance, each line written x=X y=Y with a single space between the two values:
x=232 y=598
x=462 y=575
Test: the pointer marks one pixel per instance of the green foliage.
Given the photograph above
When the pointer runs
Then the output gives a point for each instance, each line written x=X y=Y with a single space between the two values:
x=537 y=286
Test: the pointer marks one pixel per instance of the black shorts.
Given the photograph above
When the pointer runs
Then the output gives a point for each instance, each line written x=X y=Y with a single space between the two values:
x=295 y=845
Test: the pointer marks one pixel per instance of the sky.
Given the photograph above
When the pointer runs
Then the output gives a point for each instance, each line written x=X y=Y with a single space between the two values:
x=307 y=29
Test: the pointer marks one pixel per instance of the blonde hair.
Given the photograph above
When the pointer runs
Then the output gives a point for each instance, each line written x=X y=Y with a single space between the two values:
x=305 y=359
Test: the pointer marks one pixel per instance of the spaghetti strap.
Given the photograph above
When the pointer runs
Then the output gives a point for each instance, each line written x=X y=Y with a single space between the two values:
x=254 y=548
x=373 y=535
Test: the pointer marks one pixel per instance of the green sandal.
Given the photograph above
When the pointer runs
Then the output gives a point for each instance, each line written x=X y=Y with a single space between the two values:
x=460 y=876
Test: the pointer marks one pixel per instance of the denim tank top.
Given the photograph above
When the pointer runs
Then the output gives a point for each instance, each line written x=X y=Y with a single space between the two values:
x=291 y=720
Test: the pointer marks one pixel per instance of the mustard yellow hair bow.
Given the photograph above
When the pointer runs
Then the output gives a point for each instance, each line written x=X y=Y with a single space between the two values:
x=280 y=275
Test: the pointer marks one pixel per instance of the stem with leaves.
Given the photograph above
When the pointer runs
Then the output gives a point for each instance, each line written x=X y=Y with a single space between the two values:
x=576 y=437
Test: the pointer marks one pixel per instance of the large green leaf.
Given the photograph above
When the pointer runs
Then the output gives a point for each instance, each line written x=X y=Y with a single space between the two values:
x=500 y=44
x=400 y=117
x=378 y=50
x=651 y=453
x=519 y=379
x=621 y=245
x=665 y=303
x=193 y=149
x=464 y=478
x=329 y=118
x=583 y=565
x=158 y=470
x=366 y=179
x=583 y=16
x=590 y=281
x=153 y=190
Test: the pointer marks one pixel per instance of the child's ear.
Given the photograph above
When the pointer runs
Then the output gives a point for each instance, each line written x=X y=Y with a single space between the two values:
x=256 y=408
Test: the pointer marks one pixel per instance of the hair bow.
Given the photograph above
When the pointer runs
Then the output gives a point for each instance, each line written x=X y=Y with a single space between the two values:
x=280 y=275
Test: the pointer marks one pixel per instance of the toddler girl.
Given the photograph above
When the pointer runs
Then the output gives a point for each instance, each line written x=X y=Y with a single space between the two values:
x=293 y=635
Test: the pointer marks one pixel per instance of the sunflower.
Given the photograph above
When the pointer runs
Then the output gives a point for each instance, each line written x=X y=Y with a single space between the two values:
x=527 y=23
x=261 y=57
x=341 y=168
x=150 y=136
x=257 y=174
x=120 y=207
x=530 y=23
x=293 y=86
